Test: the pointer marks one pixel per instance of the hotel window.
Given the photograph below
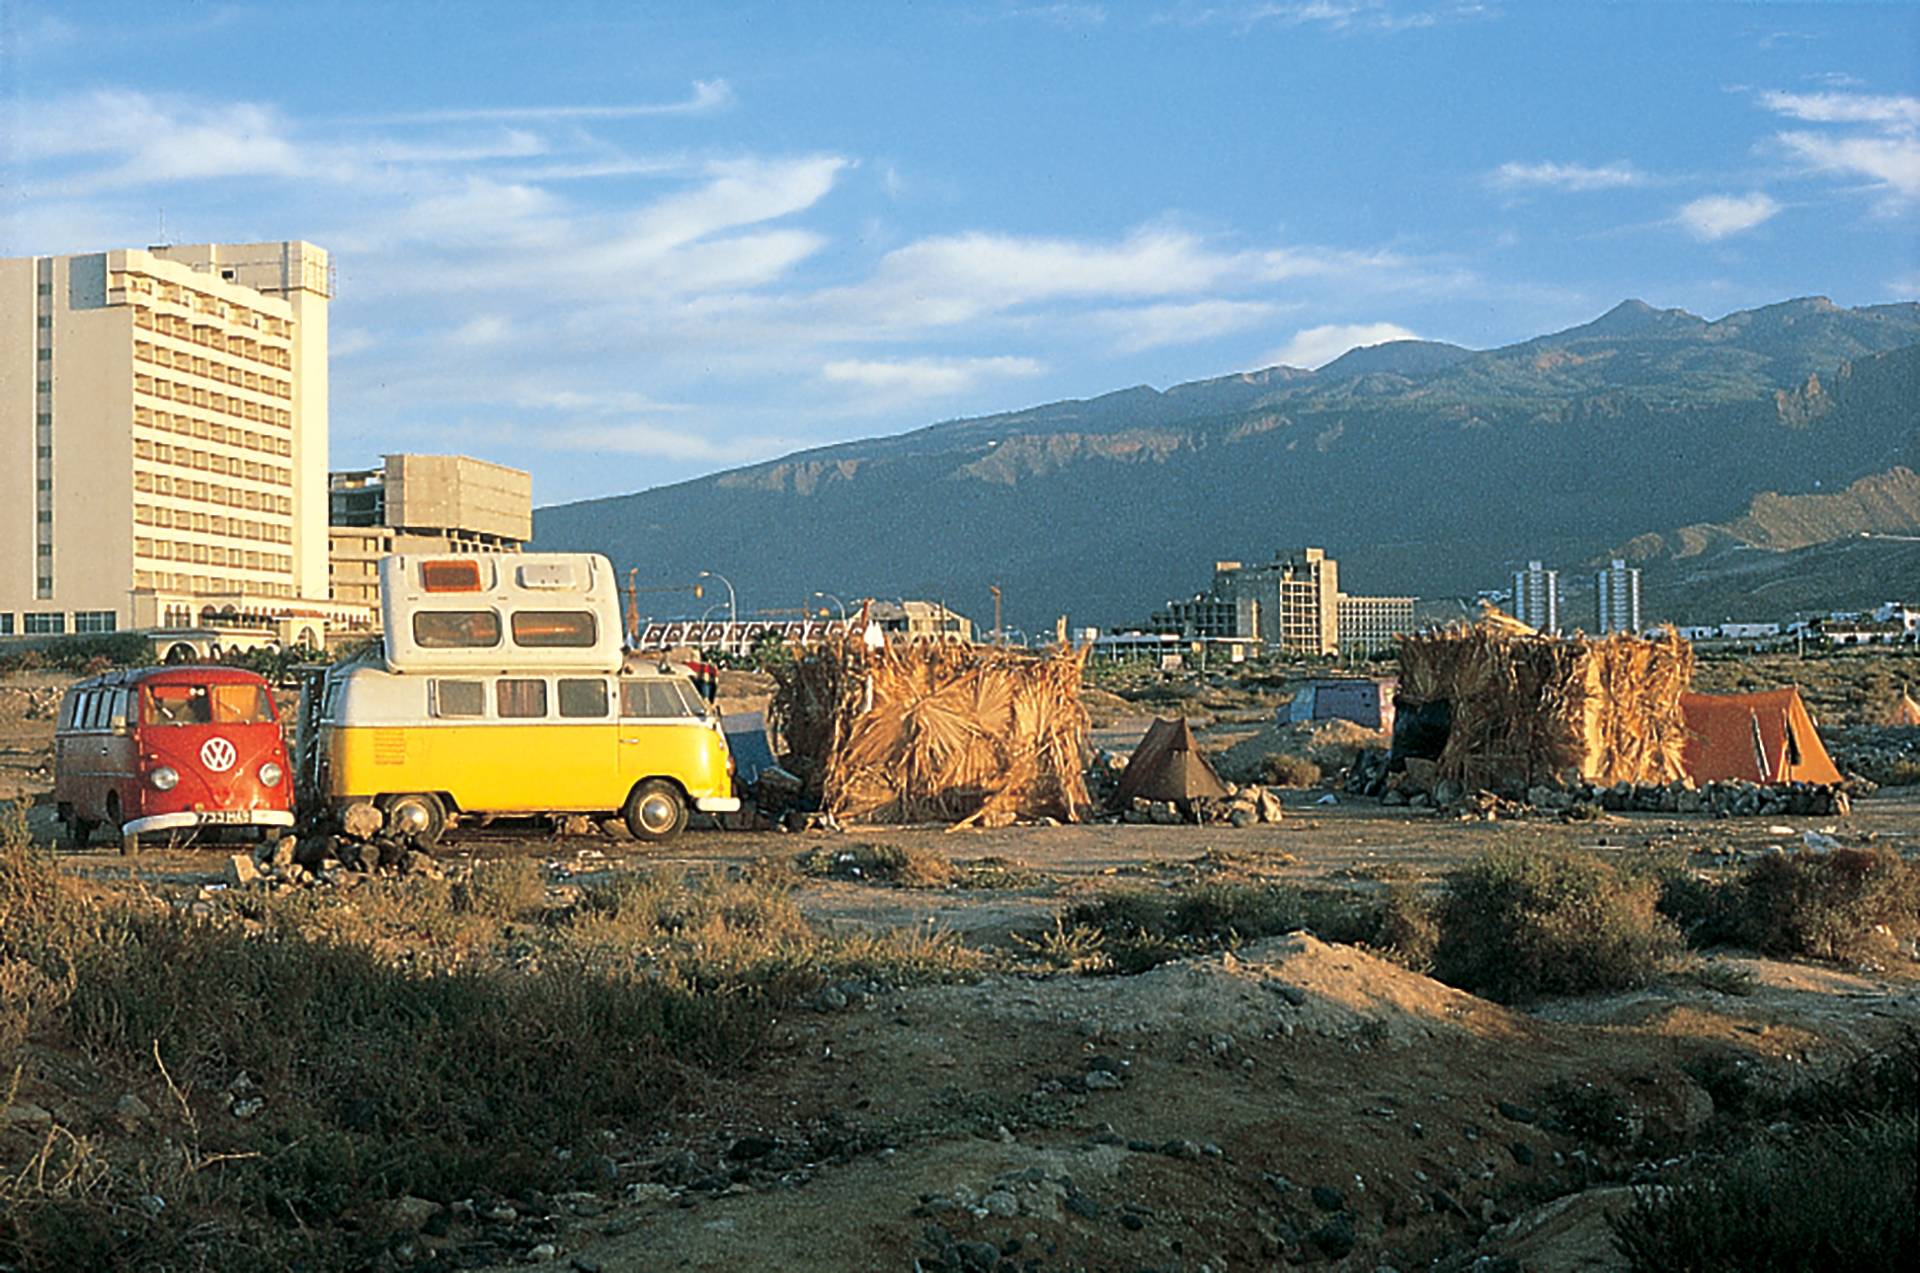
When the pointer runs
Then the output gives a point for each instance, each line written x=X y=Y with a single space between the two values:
x=45 y=624
x=6 y=623
x=95 y=621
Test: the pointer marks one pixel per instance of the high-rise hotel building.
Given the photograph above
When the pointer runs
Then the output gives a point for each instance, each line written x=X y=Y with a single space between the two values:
x=163 y=436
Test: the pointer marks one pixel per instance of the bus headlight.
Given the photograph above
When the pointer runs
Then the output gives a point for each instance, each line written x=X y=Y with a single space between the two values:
x=163 y=778
x=269 y=775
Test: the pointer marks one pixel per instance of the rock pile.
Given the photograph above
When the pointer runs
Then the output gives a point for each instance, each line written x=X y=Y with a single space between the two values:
x=325 y=861
x=1876 y=755
x=1241 y=807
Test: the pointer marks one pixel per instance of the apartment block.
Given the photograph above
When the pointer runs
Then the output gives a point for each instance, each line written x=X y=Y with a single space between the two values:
x=1369 y=625
x=163 y=436
x=1536 y=597
x=1295 y=599
x=1617 y=591
x=421 y=504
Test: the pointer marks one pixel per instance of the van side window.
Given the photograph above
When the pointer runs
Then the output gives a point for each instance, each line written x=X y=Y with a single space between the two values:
x=520 y=697
x=96 y=709
x=555 y=629
x=459 y=698
x=583 y=698
x=67 y=706
x=456 y=629
x=654 y=698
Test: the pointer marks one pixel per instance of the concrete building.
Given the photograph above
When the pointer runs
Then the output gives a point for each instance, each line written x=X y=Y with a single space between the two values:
x=163 y=439
x=1618 y=606
x=421 y=504
x=1207 y=616
x=1369 y=625
x=920 y=621
x=1293 y=601
x=1536 y=597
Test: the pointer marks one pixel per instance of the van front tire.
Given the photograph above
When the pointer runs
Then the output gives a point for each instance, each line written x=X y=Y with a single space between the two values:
x=655 y=812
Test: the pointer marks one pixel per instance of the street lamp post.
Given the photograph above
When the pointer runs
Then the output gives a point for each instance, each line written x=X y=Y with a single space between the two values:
x=733 y=606
x=828 y=596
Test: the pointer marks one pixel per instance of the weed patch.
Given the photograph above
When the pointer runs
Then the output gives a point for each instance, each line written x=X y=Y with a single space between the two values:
x=906 y=865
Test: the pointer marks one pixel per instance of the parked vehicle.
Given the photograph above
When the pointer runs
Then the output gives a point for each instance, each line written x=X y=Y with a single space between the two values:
x=504 y=689
x=170 y=750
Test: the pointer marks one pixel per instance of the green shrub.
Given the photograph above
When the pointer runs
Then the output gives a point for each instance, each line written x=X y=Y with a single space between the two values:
x=1849 y=904
x=1281 y=769
x=1408 y=929
x=1840 y=1196
x=1521 y=923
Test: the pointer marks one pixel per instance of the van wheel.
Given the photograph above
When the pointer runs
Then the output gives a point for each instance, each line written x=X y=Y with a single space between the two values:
x=418 y=814
x=655 y=811
x=79 y=831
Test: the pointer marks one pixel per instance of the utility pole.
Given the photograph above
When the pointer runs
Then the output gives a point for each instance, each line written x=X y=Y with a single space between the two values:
x=999 y=634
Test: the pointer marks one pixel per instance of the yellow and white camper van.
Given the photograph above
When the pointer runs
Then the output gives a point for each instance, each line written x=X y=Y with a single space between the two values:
x=504 y=688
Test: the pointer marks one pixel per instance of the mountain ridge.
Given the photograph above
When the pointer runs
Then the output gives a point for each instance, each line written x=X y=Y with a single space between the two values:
x=1426 y=468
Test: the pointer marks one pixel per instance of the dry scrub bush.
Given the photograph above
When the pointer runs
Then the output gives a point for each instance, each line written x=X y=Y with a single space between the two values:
x=907 y=865
x=1849 y=905
x=1283 y=770
x=510 y=888
x=1521 y=923
x=1140 y=929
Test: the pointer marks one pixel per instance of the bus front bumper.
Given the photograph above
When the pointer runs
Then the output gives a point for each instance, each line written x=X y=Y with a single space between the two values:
x=718 y=804
x=208 y=818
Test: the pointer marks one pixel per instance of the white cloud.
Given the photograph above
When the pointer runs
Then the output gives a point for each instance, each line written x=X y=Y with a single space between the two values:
x=1846 y=108
x=1714 y=217
x=707 y=97
x=660 y=442
x=1892 y=161
x=1333 y=15
x=1152 y=326
x=1572 y=177
x=1317 y=346
x=926 y=377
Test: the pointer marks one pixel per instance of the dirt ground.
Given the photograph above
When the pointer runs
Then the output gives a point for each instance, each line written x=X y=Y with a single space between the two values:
x=1294 y=1101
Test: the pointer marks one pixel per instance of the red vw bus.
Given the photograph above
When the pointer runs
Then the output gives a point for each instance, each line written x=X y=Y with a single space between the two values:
x=170 y=749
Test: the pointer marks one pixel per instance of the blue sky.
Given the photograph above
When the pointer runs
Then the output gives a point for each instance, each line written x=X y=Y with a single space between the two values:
x=626 y=244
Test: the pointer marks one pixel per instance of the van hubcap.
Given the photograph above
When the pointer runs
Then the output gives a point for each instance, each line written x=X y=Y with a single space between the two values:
x=409 y=817
x=656 y=813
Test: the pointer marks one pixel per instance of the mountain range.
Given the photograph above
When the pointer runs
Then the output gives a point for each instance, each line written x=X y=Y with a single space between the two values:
x=1706 y=451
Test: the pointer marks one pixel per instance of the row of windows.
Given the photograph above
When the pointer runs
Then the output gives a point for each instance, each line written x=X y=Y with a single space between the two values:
x=202 y=302
x=269 y=386
x=190 y=457
x=279 y=417
x=213 y=338
x=54 y=623
x=179 y=581
x=213 y=555
x=226 y=404
x=578 y=698
x=231 y=527
x=214 y=431
x=204 y=492
x=480 y=629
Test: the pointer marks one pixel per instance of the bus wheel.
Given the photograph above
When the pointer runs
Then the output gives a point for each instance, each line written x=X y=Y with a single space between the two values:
x=129 y=840
x=418 y=814
x=655 y=811
x=79 y=830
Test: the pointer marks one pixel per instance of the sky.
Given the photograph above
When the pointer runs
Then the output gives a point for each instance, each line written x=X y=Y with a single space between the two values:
x=624 y=245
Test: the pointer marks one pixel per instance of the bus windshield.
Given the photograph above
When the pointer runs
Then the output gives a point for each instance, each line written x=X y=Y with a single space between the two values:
x=205 y=705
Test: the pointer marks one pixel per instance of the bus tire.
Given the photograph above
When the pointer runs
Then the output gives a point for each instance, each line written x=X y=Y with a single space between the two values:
x=655 y=811
x=418 y=814
x=79 y=830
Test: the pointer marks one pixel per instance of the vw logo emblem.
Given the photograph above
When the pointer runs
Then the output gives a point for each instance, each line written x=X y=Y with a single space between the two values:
x=218 y=755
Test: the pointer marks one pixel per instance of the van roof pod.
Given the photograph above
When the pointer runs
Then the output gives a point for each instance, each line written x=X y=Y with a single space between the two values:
x=500 y=611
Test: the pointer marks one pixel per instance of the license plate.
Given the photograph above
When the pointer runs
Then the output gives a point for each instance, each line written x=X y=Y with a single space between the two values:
x=219 y=816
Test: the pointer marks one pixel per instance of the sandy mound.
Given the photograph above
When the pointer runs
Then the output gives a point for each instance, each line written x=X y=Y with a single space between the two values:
x=1330 y=744
x=1285 y=986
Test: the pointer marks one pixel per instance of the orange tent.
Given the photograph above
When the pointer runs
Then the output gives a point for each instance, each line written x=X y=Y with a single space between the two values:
x=1905 y=712
x=1765 y=737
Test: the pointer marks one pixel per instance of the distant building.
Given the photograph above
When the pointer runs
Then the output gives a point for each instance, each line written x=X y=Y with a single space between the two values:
x=920 y=621
x=1536 y=597
x=1206 y=615
x=1292 y=602
x=1618 y=591
x=1369 y=625
x=421 y=504
x=163 y=440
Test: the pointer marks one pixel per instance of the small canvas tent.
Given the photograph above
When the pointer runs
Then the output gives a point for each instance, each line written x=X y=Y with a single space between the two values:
x=1364 y=702
x=1167 y=765
x=1765 y=737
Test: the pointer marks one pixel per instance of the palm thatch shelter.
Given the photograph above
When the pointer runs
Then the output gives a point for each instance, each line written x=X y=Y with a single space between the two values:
x=1506 y=708
x=934 y=732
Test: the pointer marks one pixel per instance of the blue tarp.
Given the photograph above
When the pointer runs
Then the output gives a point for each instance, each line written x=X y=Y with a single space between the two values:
x=747 y=740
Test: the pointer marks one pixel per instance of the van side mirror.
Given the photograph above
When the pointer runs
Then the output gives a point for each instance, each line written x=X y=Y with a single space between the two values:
x=118 y=724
